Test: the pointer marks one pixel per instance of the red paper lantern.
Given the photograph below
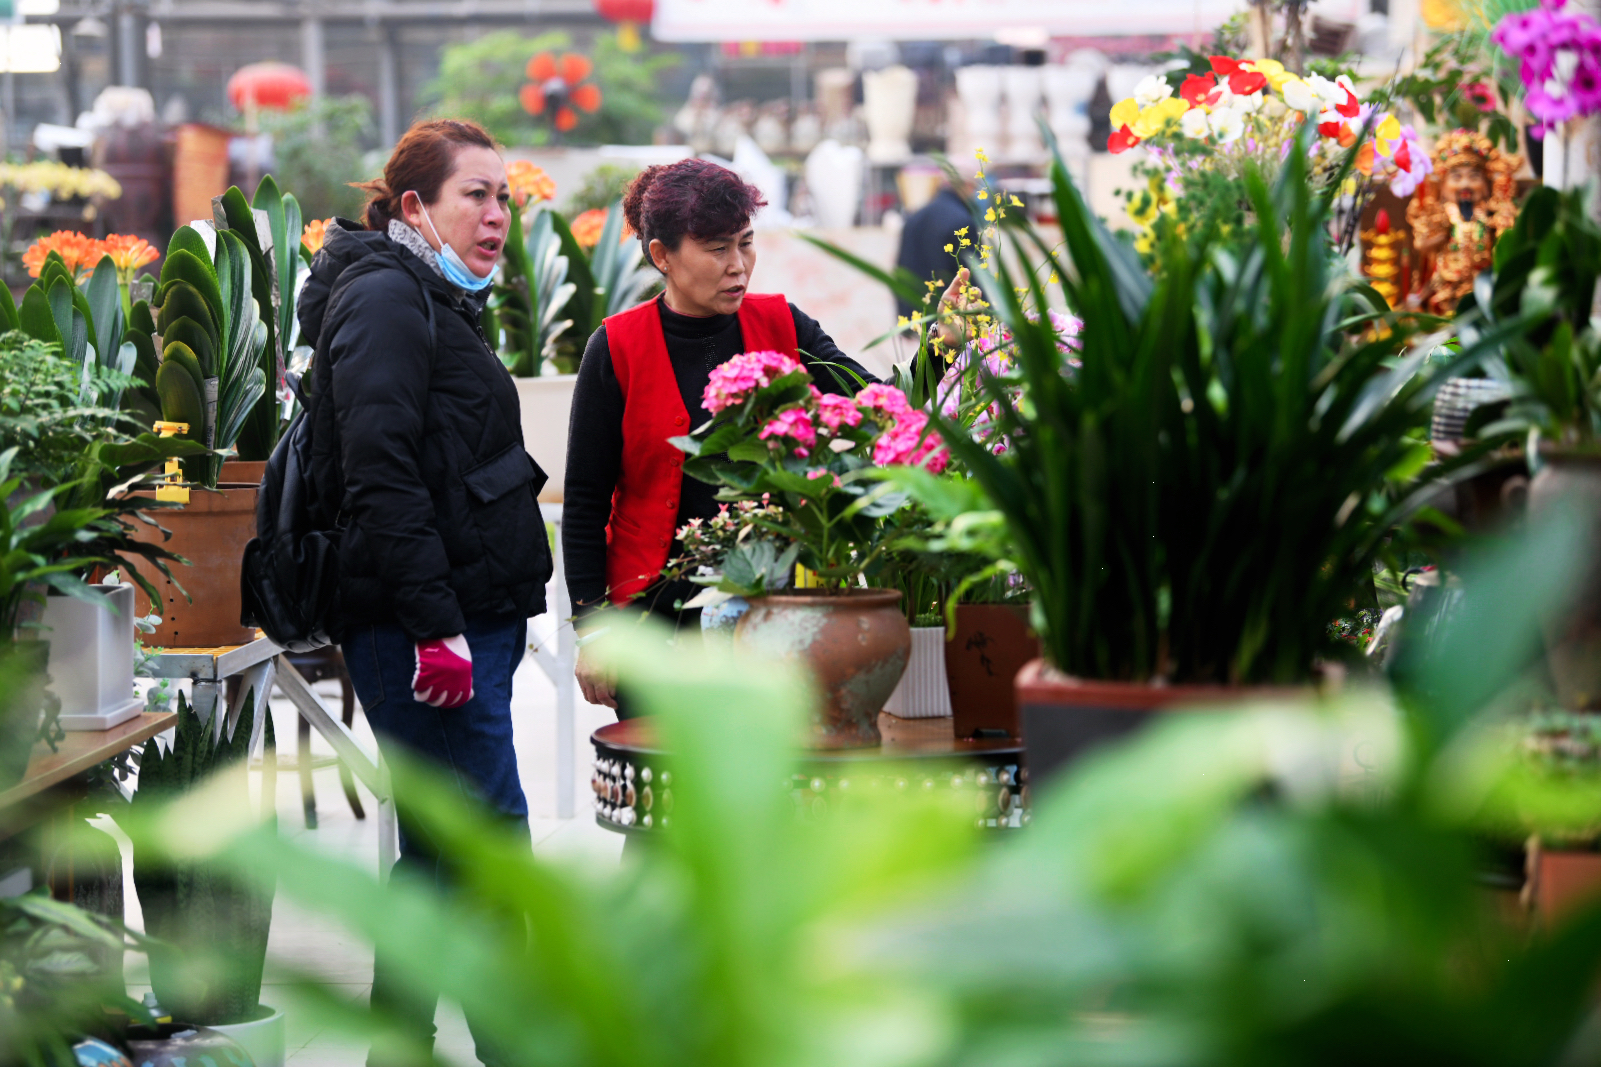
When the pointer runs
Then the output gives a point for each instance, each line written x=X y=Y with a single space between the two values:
x=276 y=86
x=625 y=10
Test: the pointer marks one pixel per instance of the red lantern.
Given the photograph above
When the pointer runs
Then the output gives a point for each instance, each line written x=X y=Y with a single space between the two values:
x=276 y=86
x=625 y=10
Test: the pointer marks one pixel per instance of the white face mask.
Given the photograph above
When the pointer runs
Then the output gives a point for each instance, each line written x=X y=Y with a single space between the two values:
x=451 y=265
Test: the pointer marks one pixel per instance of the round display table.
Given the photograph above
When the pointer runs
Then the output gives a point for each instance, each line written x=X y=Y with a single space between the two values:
x=633 y=776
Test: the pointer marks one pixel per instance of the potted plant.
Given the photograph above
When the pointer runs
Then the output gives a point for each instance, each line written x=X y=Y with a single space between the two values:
x=1544 y=277
x=209 y=927
x=1195 y=501
x=223 y=312
x=817 y=458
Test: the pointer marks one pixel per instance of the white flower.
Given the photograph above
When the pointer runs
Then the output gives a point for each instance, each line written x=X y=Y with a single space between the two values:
x=1227 y=124
x=1151 y=89
x=1327 y=91
x=1250 y=103
x=1300 y=96
x=1193 y=123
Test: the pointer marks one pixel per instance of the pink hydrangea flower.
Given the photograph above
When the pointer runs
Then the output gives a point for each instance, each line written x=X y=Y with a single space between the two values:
x=794 y=424
x=837 y=411
x=883 y=398
x=905 y=443
x=735 y=380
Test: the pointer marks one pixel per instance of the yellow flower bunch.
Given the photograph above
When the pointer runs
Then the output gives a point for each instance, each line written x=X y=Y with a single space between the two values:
x=59 y=180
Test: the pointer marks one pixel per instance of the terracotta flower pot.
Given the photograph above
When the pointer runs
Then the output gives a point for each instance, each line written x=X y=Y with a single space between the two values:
x=1561 y=882
x=1568 y=482
x=211 y=532
x=1065 y=717
x=242 y=471
x=856 y=644
x=991 y=644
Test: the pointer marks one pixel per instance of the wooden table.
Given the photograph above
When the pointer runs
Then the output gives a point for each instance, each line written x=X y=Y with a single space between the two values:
x=40 y=789
x=633 y=773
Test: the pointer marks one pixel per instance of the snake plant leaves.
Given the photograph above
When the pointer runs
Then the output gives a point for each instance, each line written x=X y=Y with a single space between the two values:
x=179 y=354
x=182 y=265
x=104 y=296
x=35 y=319
x=182 y=301
x=191 y=334
x=181 y=398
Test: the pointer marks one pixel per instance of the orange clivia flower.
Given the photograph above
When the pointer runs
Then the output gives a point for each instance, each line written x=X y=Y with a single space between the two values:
x=78 y=251
x=529 y=184
x=129 y=252
x=587 y=228
x=315 y=233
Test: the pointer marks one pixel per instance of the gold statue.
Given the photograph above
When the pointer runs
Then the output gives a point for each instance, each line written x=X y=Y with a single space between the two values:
x=1457 y=213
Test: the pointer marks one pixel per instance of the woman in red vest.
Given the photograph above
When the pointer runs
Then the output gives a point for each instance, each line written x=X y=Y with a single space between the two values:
x=641 y=381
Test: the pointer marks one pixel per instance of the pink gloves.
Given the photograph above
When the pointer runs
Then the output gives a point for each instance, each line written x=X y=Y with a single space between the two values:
x=444 y=675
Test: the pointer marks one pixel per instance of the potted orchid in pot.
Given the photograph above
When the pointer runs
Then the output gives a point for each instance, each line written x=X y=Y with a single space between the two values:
x=813 y=461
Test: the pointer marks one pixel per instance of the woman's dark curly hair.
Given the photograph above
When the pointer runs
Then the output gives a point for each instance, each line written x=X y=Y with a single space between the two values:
x=694 y=197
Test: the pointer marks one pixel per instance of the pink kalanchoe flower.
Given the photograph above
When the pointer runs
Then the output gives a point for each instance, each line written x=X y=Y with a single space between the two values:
x=794 y=424
x=734 y=381
x=906 y=443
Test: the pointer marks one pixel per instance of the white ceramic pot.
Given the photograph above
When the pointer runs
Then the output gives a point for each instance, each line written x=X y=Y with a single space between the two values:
x=546 y=403
x=890 y=99
x=924 y=691
x=91 y=658
x=979 y=88
x=262 y=1038
x=834 y=176
x=1068 y=90
x=1023 y=87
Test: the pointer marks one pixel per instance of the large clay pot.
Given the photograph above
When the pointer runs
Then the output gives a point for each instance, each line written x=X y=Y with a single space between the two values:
x=856 y=643
x=211 y=532
x=243 y=471
x=991 y=644
x=1065 y=717
x=1571 y=483
x=546 y=404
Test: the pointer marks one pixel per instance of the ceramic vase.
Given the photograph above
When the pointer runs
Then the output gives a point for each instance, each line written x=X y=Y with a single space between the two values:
x=834 y=176
x=923 y=692
x=890 y=96
x=1022 y=88
x=855 y=643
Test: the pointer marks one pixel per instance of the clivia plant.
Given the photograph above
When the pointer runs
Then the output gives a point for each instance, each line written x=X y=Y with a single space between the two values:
x=816 y=456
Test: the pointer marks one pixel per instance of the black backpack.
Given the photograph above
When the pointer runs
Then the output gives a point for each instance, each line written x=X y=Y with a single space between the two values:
x=289 y=576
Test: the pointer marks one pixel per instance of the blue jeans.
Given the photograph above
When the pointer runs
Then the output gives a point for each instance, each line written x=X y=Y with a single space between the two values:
x=472 y=744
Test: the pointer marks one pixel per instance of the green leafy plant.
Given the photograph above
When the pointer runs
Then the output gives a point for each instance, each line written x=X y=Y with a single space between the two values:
x=480 y=80
x=212 y=927
x=1289 y=884
x=86 y=323
x=60 y=978
x=1215 y=482
x=318 y=150
x=601 y=188
x=1545 y=274
x=531 y=291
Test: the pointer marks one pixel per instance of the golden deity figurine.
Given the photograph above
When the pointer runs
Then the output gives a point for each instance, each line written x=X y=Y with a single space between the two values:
x=1457 y=214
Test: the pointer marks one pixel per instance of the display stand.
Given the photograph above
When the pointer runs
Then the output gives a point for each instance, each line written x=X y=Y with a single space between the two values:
x=259 y=666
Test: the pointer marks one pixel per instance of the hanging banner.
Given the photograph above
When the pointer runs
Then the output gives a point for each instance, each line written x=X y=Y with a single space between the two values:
x=928 y=20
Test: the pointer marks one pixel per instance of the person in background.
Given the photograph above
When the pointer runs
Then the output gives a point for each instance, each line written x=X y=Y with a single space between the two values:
x=642 y=380
x=925 y=236
x=417 y=447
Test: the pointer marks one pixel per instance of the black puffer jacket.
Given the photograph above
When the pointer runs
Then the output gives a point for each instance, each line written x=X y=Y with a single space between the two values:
x=417 y=446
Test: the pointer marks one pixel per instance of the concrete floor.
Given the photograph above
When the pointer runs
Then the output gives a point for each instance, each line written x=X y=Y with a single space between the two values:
x=307 y=943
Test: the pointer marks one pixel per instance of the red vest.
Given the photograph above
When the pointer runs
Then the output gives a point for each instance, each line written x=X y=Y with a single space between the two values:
x=644 y=507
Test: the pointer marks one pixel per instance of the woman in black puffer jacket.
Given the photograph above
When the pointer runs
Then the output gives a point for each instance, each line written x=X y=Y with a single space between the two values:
x=417 y=448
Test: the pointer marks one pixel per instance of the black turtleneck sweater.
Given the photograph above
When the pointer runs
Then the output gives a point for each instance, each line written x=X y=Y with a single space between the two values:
x=595 y=437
